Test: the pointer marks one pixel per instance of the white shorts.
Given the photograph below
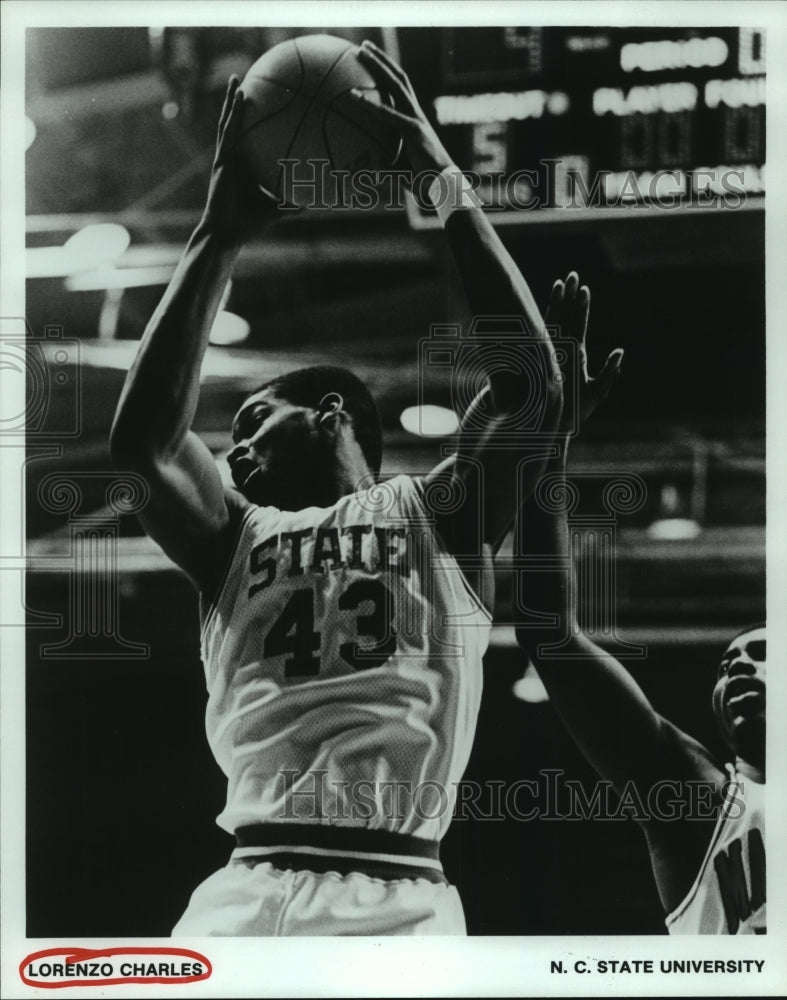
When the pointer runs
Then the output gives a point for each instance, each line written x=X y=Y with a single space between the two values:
x=249 y=897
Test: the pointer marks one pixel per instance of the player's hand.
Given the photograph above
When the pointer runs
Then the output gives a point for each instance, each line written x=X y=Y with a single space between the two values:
x=236 y=207
x=569 y=309
x=422 y=146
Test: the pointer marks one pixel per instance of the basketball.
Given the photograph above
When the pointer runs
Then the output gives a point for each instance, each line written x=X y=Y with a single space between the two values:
x=297 y=106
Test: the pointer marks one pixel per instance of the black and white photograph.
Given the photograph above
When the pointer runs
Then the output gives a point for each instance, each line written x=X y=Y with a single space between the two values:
x=393 y=499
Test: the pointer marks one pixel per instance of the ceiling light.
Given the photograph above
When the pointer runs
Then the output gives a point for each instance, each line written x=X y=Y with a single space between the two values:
x=674 y=529
x=101 y=279
x=530 y=687
x=429 y=421
x=229 y=329
x=97 y=244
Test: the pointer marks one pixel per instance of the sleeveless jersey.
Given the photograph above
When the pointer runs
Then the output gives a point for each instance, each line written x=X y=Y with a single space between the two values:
x=343 y=664
x=728 y=895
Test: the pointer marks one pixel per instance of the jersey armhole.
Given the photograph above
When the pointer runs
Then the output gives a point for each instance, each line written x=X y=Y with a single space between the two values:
x=209 y=604
x=474 y=597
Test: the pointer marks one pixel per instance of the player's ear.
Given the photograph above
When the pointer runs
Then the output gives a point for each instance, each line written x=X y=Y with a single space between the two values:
x=331 y=406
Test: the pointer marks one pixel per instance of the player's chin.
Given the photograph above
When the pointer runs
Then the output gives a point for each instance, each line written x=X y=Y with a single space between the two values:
x=254 y=488
x=750 y=717
x=288 y=486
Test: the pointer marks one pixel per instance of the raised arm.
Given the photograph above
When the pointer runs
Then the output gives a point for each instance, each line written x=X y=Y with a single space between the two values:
x=188 y=513
x=602 y=706
x=487 y=457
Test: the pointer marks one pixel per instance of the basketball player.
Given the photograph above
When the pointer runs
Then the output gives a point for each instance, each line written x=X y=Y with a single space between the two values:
x=341 y=636
x=710 y=874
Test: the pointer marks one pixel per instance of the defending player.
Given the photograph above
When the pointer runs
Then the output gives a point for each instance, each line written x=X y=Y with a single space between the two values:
x=341 y=639
x=710 y=873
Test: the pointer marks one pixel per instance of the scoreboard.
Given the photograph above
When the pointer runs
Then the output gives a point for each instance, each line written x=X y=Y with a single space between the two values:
x=552 y=121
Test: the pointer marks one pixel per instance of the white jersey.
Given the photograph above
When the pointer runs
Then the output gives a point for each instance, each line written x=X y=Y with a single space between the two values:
x=343 y=663
x=728 y=895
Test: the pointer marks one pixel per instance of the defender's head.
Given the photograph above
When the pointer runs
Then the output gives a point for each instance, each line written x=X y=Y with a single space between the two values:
x=739 y=695
x=305 y=439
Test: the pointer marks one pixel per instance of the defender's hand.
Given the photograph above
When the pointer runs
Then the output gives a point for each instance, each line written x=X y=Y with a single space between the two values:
x=569 y=308
x=236 y=206
x=422 y=145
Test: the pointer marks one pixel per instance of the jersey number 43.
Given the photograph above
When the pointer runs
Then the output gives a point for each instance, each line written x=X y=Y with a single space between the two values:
x=293 y=634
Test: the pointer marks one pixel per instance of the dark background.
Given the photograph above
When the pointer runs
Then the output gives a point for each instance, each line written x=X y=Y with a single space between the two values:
x=122 y=790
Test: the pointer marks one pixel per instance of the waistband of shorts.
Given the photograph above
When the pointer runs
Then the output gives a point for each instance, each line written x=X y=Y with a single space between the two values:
x=311 y=847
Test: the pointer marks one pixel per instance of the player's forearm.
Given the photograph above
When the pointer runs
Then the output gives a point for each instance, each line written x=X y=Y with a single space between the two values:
x=159 y=400
x=492 y=282
x=494 y=286
x=598 y=700
x=542 y=531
